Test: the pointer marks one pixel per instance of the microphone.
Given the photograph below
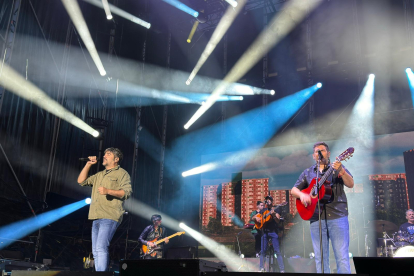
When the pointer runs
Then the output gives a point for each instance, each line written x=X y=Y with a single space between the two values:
x=87 y=159
x=320 y=155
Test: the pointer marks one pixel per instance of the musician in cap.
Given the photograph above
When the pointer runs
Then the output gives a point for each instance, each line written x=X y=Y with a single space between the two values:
x=269 y=231
x=334 y=216
x=151 y=234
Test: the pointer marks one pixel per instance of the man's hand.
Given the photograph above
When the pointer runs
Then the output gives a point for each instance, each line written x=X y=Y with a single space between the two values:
x=92 y=160
x=167 y=240
x=151 y=244
x=337 y=166
x=103 y=190
x=305 y=199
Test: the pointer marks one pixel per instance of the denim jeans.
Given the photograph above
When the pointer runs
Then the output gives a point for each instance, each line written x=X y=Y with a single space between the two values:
x=336 y=230
x=275 y=243
x=102 y=232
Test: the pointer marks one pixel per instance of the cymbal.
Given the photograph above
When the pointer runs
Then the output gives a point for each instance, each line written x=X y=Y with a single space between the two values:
x=383 y=226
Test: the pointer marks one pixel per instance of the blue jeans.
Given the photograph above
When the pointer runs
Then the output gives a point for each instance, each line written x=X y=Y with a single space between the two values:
x=336 y=230
x=275 y=243
x=102 y=232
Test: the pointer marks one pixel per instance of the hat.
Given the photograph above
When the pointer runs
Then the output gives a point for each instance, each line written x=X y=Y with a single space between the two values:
x=269 y=197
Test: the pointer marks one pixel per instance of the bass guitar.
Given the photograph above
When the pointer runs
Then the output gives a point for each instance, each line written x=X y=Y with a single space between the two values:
x=325 y=190
x=261 y=219
x=146 y=250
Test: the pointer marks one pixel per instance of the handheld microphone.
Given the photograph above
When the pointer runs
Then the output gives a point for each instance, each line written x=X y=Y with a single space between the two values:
x=87 y=159
x=320 y=155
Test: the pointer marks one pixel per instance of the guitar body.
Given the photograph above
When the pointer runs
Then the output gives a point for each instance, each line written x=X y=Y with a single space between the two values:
x=262 y=219
x=148 y=250
x=325 y=196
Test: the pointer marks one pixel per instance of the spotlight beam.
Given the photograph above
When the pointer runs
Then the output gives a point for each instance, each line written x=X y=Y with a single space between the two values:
x=107 y=10
x=120 y=13
x=76 y=16
x=17 y=84
x=20 y=229
x=279 y=27
x=177 y=4
x=218 y=34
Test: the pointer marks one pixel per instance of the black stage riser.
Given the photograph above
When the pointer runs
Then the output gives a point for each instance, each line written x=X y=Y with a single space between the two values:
x=182 y=267
x=59 y=273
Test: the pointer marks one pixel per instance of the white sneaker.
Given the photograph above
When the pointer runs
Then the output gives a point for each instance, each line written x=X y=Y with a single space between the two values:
x=257 y=255
x=262 y=270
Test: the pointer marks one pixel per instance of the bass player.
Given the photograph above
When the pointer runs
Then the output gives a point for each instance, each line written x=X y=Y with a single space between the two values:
x=152 y=233
x=269 y=231
x=334 y=215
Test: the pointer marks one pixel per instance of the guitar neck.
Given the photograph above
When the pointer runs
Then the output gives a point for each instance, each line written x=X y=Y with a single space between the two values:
x=325 y=176
x=169 y=237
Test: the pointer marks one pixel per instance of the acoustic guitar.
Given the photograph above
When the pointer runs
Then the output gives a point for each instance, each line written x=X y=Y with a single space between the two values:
x=325 y=190
x=261 y=219
x=146 y=250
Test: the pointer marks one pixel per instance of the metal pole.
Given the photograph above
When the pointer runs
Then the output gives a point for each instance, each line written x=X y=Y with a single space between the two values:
x=7 y=50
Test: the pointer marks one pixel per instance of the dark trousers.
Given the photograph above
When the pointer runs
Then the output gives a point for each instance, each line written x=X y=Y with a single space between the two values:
x=275 y=243
x=257 y=241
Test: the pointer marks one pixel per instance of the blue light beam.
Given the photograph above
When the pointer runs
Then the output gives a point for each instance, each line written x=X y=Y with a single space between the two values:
x=410 y=77
x=182 y=7
x=20 y=229
x=248 y=133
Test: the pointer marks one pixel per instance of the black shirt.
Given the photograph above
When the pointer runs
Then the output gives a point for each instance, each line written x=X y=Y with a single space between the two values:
x=271 y=225
x=339 y=206
x=149 y=234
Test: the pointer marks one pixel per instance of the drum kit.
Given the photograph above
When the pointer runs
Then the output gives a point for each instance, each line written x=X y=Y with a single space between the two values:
x=401 y=244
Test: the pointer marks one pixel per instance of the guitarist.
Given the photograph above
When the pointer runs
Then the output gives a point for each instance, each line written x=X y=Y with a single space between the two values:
x=151 y=233
x=269 y=231
x=334 y=216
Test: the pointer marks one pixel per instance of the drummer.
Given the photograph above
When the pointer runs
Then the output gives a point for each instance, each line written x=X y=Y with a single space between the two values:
x=409 y=225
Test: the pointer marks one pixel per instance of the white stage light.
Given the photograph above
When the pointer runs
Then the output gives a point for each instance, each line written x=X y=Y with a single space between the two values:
x=76 y=16
x=118 y=11
x=107 y=10
x=13 y=81
x=233 y=3
x=272 y=92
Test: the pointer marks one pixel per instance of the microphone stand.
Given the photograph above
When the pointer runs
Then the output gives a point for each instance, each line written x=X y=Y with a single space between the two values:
x=240 y=254
x=318 y=162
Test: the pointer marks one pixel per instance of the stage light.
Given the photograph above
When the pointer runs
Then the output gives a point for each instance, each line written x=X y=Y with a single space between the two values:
x=95 y=134
x=121 y=13
x=350 y=255
x=371 y=76
x=201 y=169
x=72 y=7
x=88 y=201
x=283 y=22
x=218 y=34
x=241 y=98
x=410 y=78
x=181 y=225
x=181 y=6
x=190 y=36
x=20 y=229
x=319 y=85
x=188 y=82
x=272 y=92
x=233 y=3
x=107 y=10
x=17 y=84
